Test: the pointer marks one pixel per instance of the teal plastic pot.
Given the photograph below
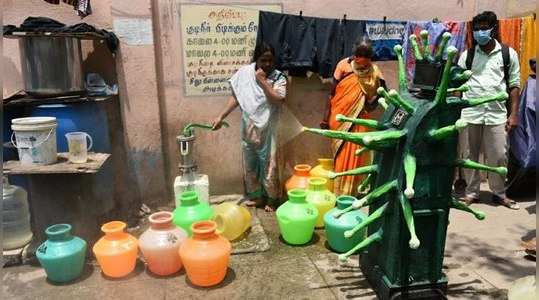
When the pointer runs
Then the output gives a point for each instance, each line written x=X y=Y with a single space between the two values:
x=62 y=255
x=297 y=218
x=335 y=227
x=190 y=211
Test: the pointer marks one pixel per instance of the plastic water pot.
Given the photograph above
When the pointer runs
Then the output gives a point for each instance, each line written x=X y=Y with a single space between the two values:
x=205 y=255
x=299 y=179
x=297 y=218
x=232 y=220
x=62 y=255
x=325 y=165
x=191 y=210
x=16 y=230
x=160 y=244
x=335 y=227
x=319 y=196
x=116 y=252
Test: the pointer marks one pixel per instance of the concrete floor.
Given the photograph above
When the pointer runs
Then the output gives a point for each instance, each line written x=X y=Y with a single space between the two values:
x=482 y=258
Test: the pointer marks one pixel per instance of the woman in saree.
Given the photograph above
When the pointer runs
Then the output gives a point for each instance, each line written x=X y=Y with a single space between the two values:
x=354 y=95
x=259 y=90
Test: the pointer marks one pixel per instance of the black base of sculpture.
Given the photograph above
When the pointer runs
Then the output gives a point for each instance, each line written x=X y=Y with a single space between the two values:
x=385 y=290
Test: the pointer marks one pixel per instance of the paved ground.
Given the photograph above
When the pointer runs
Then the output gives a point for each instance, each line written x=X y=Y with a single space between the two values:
x=481 y=261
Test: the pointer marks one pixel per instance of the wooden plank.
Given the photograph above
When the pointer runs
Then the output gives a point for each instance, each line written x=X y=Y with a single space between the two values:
x=29 y=100
x=62 y=166
x=80 y=35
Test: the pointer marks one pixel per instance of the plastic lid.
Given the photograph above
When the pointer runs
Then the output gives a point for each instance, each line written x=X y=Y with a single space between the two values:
x=33 y=121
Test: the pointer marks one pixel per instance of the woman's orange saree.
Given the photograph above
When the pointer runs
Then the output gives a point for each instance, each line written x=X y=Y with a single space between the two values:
x=350 y=95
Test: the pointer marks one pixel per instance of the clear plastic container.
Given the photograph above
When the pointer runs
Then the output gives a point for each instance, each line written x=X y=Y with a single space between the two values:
x=15 y=216
x=78 y=146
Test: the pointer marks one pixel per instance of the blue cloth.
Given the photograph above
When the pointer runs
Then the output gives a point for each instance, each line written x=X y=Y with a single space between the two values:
x=522 y=139
x=384 y=36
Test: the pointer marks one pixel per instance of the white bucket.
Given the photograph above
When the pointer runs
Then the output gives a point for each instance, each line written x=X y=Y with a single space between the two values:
x=35 y=140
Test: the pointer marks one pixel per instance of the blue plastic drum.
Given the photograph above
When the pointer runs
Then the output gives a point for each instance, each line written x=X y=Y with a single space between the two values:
x=88 y=117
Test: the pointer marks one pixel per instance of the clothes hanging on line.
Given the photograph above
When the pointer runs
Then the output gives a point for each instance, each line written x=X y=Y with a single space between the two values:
x=352 y=31
x=328 y=46
x=44 y=24
x=510 y=32
x=308 y=44
x=82 y=7
x=528 y=46
x=384 y=36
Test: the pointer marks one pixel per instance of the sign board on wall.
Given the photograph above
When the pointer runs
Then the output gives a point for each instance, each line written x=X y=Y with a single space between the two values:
x=216 y=41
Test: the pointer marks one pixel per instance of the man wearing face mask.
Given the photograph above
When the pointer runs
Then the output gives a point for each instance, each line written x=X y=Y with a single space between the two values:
x=495 y=69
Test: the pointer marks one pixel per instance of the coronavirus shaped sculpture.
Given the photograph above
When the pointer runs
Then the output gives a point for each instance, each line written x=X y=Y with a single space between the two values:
x=415 y=146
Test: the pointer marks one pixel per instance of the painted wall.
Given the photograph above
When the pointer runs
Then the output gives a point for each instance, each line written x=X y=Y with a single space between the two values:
x=152 y=107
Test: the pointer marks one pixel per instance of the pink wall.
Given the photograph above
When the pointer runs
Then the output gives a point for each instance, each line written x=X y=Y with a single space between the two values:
x=153 y=106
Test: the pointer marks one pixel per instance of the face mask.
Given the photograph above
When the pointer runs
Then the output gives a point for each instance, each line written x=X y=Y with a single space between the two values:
x=364 y=71
x=482 y=37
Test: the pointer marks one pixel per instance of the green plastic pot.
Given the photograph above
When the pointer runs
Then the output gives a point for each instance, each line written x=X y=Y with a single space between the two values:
x=335 y=227
x=190 y=211
x=62 y=255
x=297 y=218
x=319 y=196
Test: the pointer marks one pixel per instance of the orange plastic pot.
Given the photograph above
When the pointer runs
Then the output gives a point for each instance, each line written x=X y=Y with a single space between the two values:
x=300 y=178
x=205 y=256
x=116 y=252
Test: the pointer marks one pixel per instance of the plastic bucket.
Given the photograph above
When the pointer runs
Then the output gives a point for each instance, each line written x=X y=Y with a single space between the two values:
x=35 y=139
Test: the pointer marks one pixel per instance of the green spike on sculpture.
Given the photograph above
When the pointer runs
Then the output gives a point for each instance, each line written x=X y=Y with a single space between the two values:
x=426 y=46
x=395 y=99
x=371 y=218
x=384 y=138
x=456 y=204
x=375 y=237
x=369 y=198
x=464 y=75
x=383 y=103
x=360 y=151
x=470 y=164
x=375 y=194
x=354 y=137
x=403 y=82
x=407 y=106
x=502 y=96
x=363 y=122
x=463 y=88
x=363 y=185
x=441 y=48
x=372 y=139
x=357 y=171
x=409 y=219
x=412 y=185
x=445 y=132
x=441 y=93
x=415 y=47
x=410 y=170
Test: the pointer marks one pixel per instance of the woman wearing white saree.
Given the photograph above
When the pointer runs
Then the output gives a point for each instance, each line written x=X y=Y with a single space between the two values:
x=259 y=90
